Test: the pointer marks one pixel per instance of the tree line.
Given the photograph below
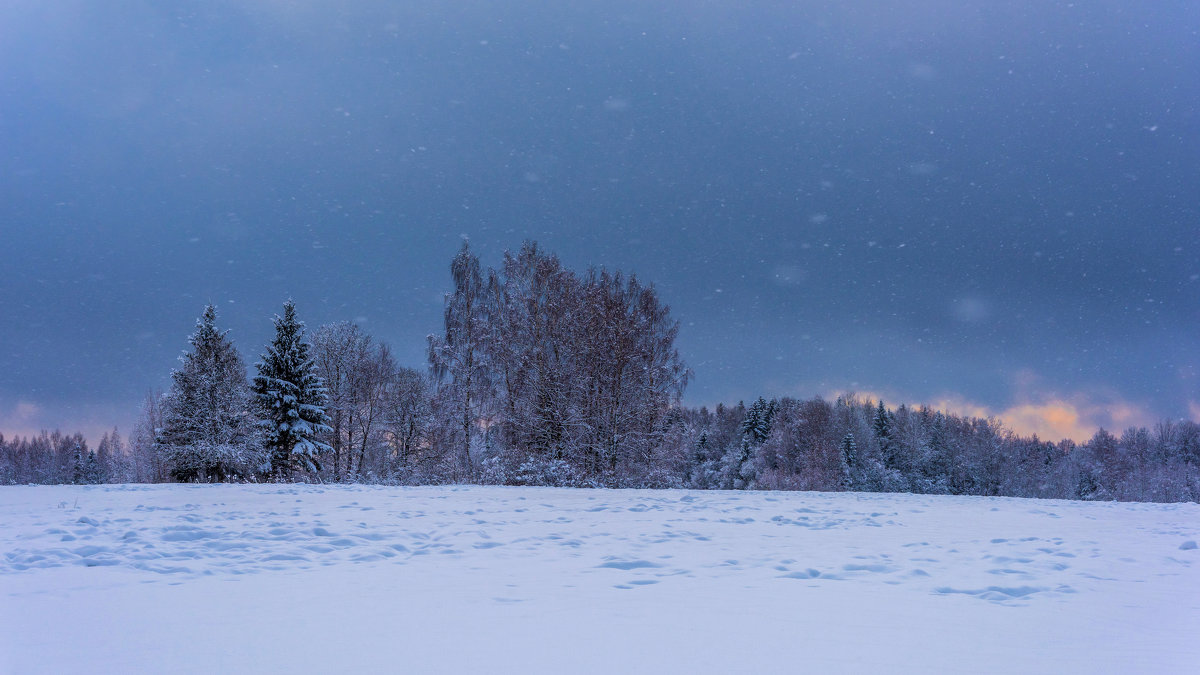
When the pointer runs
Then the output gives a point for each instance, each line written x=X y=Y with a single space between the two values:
x=544 y=376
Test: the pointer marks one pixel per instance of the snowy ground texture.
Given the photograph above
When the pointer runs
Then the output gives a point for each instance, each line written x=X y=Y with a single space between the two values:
x=300 y=579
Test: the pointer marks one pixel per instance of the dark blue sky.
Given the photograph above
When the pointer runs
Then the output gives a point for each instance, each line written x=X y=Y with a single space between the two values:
x=990 y=206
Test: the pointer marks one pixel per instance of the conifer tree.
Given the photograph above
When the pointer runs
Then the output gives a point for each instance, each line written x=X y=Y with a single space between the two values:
x=882 y=424
x=694 y=468
x=759 y=419
x=91 y=469
x=849 y=457
x=207 y=430
x=752 y=418
x=291 y=398
x=78 y=466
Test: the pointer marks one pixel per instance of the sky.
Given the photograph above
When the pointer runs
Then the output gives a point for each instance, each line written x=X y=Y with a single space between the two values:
x=993 y=208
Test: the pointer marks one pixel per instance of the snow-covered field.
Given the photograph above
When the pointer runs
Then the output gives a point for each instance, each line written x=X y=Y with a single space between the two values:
x=221 y=579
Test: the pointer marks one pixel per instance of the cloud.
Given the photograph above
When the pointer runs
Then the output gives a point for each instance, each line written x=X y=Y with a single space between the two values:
x=1051 y=416
x=21 y=419
x=1051 y=419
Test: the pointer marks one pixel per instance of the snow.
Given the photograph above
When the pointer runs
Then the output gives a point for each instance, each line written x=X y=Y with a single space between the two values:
x=296 y=579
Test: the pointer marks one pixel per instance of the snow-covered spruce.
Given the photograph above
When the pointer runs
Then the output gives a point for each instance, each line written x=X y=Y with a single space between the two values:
x=207 y=432
x=291 y=399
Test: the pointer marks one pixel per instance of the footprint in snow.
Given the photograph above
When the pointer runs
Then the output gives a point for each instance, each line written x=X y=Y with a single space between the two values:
x=809 y=573
x=627 y=564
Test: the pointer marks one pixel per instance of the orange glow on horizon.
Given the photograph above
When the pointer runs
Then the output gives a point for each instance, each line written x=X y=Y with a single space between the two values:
x=1052 y=418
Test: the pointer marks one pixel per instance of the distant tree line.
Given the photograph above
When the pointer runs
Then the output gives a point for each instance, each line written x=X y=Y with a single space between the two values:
x=543 y=376
x=860 y=445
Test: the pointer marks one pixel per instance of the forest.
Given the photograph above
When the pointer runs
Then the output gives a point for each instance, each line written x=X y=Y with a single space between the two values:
x=545 y=376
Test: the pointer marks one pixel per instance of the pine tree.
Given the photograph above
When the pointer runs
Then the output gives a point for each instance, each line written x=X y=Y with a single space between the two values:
x=751 y=422
x=757 y=425
x=882 y=424
x=849 y=457
x=694 y=469
x=771 y=411
x=939 y=463
x=91 y=469
x=78 y=466
x=207 y=431
x=291 y=398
